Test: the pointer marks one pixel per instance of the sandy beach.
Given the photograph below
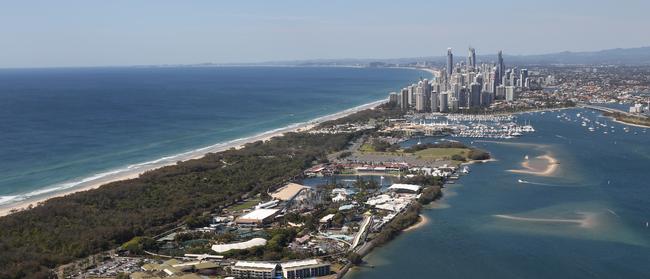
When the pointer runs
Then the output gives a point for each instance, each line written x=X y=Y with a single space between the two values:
x=423 y=221
x=549 y=167
x=134 y=171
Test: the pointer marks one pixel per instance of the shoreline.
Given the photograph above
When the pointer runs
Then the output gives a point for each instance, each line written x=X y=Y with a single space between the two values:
x=421 y=223
x=133 y=171
x=613 y=119
x=550 y=169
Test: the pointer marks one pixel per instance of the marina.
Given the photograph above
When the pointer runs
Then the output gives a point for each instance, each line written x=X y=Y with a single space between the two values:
x=466 y=126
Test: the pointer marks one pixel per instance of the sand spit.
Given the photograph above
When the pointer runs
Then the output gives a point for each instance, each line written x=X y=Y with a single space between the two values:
x=423 y=221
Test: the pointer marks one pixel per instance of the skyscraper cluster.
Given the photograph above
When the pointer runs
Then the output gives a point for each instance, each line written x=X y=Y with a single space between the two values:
x=461 y=87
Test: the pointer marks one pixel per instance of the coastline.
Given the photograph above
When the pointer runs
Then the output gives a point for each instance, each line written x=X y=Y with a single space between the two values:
x=613 y=119
x=134 y=171
x=421 y=223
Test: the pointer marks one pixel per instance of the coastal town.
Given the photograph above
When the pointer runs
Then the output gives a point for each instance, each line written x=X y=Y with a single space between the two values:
x=361 y=197
x=393 y=160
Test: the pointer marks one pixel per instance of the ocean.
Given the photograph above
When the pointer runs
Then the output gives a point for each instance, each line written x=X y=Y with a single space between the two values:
x=60 y=128
x=589 y=220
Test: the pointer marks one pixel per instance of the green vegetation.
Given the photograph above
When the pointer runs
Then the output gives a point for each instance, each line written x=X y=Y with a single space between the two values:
x=477 y=154
x=355 y=258
x=65 y=229
x=398 y=224
x=457 y=154
x=637 y=120
x=138 y=244
x=430 y=194
x=275 y=249
x=455 y=151
x=244 y=205
x=344 y=155
x=366 y=185
x=381 y=113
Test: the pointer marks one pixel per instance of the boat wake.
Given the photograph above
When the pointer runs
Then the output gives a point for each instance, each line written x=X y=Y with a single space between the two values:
x=540 y=183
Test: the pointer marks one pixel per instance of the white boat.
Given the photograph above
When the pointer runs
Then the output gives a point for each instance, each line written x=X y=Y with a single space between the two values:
x=526 y=157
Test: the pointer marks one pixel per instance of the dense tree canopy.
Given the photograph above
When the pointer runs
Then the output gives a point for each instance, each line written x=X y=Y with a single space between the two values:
x=68 y=228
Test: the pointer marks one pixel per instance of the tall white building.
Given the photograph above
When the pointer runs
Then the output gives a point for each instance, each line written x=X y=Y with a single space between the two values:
x=510 y=93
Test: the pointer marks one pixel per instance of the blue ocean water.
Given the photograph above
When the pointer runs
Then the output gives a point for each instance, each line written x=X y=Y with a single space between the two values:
x=589 y=220
x=59 y=127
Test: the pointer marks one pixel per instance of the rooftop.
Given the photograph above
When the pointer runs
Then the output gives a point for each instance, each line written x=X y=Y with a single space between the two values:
x=409 y=187
x=259 y=214
x=220 y=248
x=251 y=264
x=288 y=192
x=294 y=264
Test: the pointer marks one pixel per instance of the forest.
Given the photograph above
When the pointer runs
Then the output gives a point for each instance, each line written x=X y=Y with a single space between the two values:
x=64 y=229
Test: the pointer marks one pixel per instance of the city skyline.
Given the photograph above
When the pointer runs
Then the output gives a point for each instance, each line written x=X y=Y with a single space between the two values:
x=93 y=33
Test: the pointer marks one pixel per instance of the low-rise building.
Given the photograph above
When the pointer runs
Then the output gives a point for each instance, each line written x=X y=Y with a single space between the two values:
x=305 y=269
x=257 y=217
x=293 y=269
x=251 y=269
x=288 y=192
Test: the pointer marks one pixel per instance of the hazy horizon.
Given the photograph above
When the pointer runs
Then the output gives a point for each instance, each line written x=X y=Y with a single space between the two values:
x=122 y=33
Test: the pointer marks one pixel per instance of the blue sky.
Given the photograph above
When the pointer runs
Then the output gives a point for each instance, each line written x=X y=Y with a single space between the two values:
x=120 y=32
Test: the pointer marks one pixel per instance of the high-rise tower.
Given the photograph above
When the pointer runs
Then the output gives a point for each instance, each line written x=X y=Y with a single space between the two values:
x=471 y=59
x=450 y=63
x=501 y=68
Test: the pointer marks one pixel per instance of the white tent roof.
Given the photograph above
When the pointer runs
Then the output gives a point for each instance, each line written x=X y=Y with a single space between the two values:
x=409 y=187
x=250 y=264
x=259 y=214
x=220 y=248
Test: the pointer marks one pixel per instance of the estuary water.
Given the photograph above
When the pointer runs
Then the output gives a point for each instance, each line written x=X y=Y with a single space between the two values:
x=588 y=219
x=60 y=128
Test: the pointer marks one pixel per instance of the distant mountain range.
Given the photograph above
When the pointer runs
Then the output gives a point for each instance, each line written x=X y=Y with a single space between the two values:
x=617 y=56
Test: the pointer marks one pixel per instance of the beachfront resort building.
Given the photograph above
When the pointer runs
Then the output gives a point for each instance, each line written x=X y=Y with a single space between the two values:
x=295 y=269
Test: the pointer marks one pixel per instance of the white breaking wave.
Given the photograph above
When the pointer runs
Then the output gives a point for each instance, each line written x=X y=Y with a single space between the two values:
x=172 y=159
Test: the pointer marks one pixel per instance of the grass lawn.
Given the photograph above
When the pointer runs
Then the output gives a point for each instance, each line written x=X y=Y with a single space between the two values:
x=245 y=205
x=366 y=147
x=441 y=153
